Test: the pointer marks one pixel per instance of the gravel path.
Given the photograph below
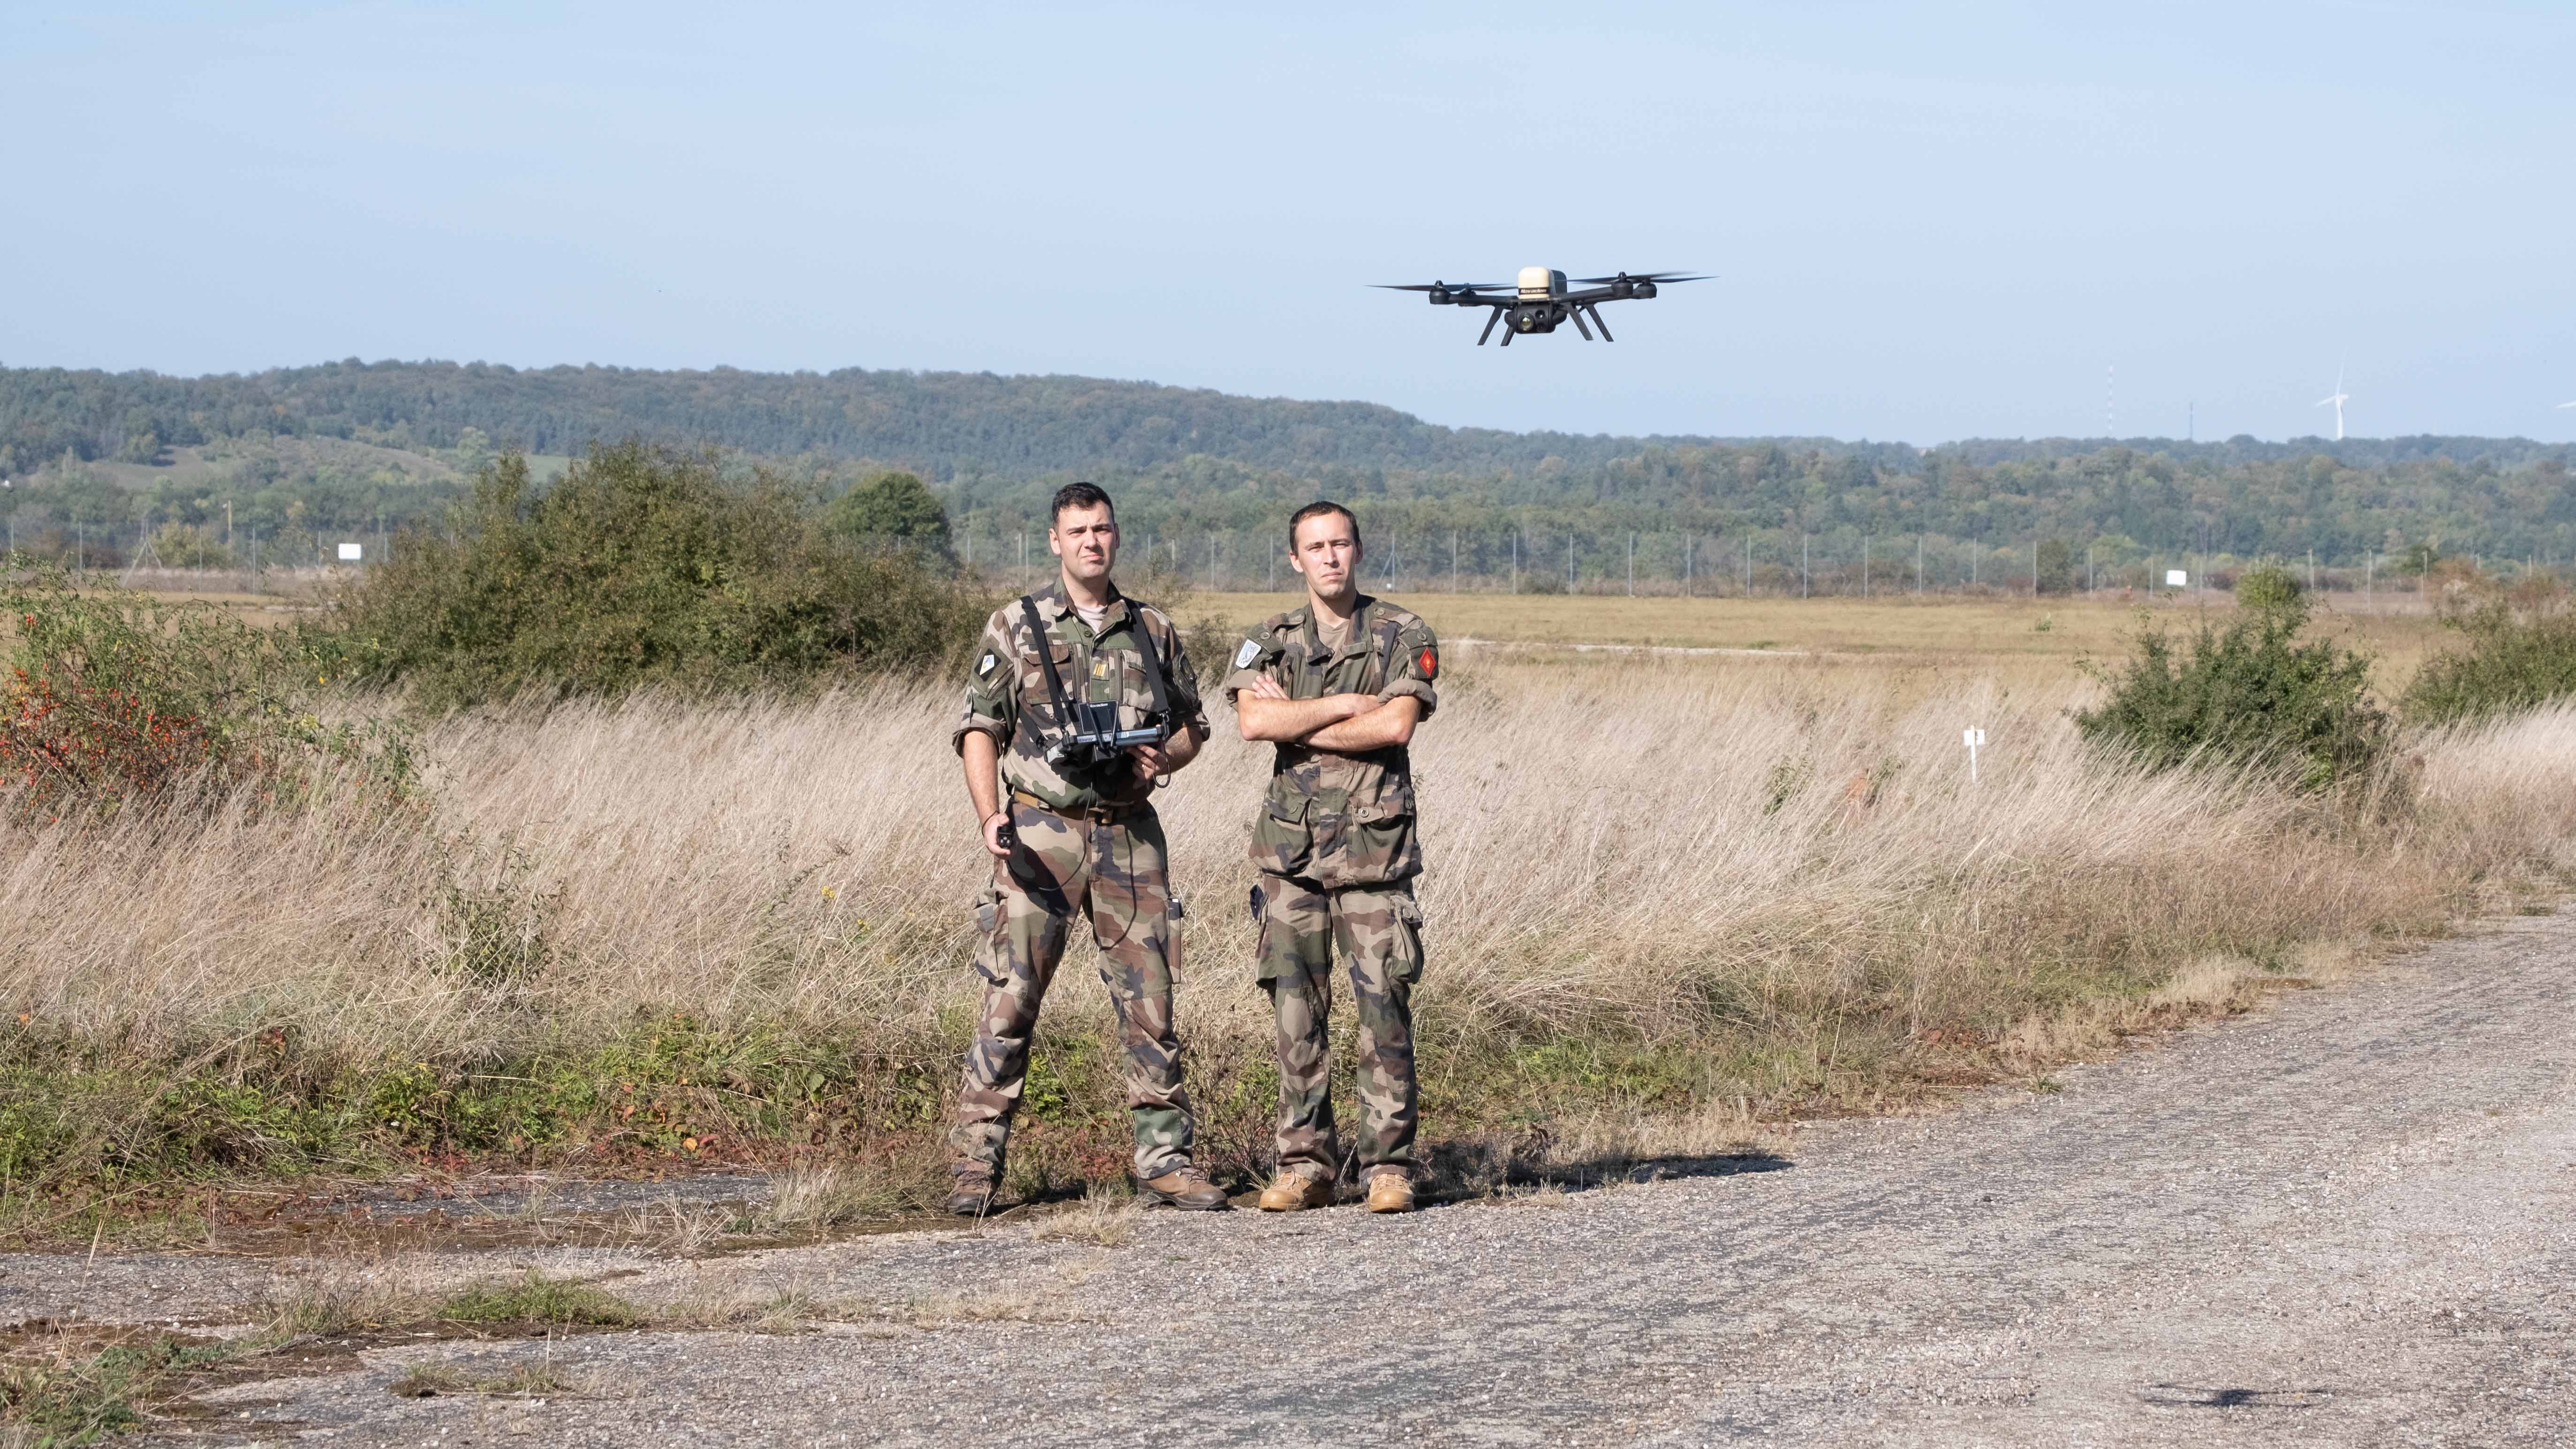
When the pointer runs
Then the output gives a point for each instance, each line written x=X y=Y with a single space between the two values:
x=2345 y=1221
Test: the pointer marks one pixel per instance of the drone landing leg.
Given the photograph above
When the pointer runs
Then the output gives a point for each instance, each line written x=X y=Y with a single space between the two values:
x=1491 y=318
x=1577 y=314
x=1597 y=322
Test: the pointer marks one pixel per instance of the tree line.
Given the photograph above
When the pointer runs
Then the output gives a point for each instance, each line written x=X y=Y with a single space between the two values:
x=1180 y=460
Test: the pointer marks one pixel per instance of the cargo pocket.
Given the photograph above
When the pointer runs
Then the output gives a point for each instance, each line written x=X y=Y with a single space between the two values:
x=1382 y=845
x=1282 y=844
x=992 y=958
x=1034 y=694
x=1404 y=961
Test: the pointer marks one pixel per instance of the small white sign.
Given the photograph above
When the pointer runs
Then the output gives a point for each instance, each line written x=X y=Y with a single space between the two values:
x=352 y=552
x=2177 y=579
x=1972 y=738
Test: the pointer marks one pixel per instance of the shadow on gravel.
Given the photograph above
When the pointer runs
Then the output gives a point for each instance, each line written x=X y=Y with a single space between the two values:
x=1465 y=1171
x=2186 y=1396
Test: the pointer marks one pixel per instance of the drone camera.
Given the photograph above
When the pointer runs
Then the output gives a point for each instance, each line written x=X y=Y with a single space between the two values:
x=1541 y=299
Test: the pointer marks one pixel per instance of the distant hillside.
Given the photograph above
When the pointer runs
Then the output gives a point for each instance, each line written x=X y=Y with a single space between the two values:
x=940 y=423
x=305 y=454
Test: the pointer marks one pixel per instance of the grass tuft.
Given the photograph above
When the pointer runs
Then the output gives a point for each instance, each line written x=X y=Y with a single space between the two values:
x=77 y=1399
x=1102 y=1219
x=539 y=1299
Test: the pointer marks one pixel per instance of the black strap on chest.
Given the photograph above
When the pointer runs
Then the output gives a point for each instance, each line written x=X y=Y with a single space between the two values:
x=1386 y=658
x=1153 y=659
x=1046 y=660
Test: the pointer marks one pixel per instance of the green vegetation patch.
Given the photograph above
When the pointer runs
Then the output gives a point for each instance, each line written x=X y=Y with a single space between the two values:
x=2520 y=654
x=2249 y=693
x=539 y=1299
x=78 y=1400
x=117 y=700
x=641 y=566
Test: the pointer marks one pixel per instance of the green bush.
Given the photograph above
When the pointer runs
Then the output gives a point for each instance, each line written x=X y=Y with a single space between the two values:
x=2248 y=694
x=2055 y=561
x=641 y=566
x=2517 y=658
x=2268 y=586
x=116 y=700
x=891 y=510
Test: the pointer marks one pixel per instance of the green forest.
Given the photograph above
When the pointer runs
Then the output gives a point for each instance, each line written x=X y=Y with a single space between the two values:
x=299 y=458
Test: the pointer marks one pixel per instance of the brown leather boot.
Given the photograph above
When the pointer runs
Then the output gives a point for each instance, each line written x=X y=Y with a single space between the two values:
x=1294 y=1191
x=1184 y=1187
x=1390 y=1192
x=972 y=1194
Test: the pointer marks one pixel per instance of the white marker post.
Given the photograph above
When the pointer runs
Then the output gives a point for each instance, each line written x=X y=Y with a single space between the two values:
x=1972 y=738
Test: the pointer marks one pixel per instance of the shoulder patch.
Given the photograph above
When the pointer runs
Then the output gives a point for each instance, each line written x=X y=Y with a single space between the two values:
x=1428 y=661
x=1244 y=656
x=985 y=665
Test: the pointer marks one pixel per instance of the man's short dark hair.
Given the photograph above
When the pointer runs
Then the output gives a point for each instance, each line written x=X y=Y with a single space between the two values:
x=1318 y=509
x=1080 y=495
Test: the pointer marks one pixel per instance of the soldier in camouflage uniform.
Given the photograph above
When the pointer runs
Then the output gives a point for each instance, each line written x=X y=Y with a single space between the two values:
x=1076 y=838
x=1337 y=687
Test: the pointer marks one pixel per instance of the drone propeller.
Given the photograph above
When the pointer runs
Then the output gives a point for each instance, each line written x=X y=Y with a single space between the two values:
x=1645 y=277
x=1437 y=286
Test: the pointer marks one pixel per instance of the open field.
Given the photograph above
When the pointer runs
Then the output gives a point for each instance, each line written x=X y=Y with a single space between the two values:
x=1669 y=896
x=1946 y=629
x=2005 y=632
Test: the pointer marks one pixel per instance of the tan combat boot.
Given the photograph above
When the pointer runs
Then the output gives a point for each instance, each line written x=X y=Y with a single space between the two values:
x=1294 y=1191
x=971 y=1195
x=1184 y=1187
x=1390 y=1192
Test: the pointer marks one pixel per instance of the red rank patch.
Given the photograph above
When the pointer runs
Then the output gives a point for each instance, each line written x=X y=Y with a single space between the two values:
x=1429 y=662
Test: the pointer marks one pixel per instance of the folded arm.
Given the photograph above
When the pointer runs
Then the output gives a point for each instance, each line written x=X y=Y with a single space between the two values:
x=1265 y=712
x=1382 y=725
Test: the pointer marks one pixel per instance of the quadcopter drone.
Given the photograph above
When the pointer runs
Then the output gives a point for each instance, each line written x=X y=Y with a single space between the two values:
x=1539 y=301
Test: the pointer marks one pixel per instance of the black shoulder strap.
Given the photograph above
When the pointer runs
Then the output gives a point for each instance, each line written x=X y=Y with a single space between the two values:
x=1153 y=659
x=1046 y=660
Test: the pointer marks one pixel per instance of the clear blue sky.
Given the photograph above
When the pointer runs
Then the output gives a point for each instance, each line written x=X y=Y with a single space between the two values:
x=1928 y=222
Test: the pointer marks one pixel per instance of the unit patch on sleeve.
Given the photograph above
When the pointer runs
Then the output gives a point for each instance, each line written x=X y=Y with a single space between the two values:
x=1244 y=656
x=1428 y=661
x=985 y=665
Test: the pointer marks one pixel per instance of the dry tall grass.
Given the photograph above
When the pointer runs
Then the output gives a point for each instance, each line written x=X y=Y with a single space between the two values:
x=1653 y=884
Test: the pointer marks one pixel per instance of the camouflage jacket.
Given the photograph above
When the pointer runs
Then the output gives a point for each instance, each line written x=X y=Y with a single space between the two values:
x=1006 y=693
x=1335 y=819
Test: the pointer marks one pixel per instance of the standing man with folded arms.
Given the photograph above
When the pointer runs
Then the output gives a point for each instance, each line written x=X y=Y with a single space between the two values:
x=1337 y=686
x=1084 y=701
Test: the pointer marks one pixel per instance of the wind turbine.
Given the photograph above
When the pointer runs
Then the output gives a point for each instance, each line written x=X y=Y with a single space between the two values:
x=2338 y=400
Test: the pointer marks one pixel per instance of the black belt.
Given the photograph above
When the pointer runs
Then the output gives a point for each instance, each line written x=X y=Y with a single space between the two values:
x=1101 y=814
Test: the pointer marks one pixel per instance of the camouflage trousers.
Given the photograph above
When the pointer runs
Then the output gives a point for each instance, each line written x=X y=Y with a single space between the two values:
x=1112 y=874
x=1379 y=929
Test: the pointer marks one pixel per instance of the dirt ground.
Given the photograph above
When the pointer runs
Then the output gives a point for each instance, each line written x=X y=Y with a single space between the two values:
x=2348 y=1220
